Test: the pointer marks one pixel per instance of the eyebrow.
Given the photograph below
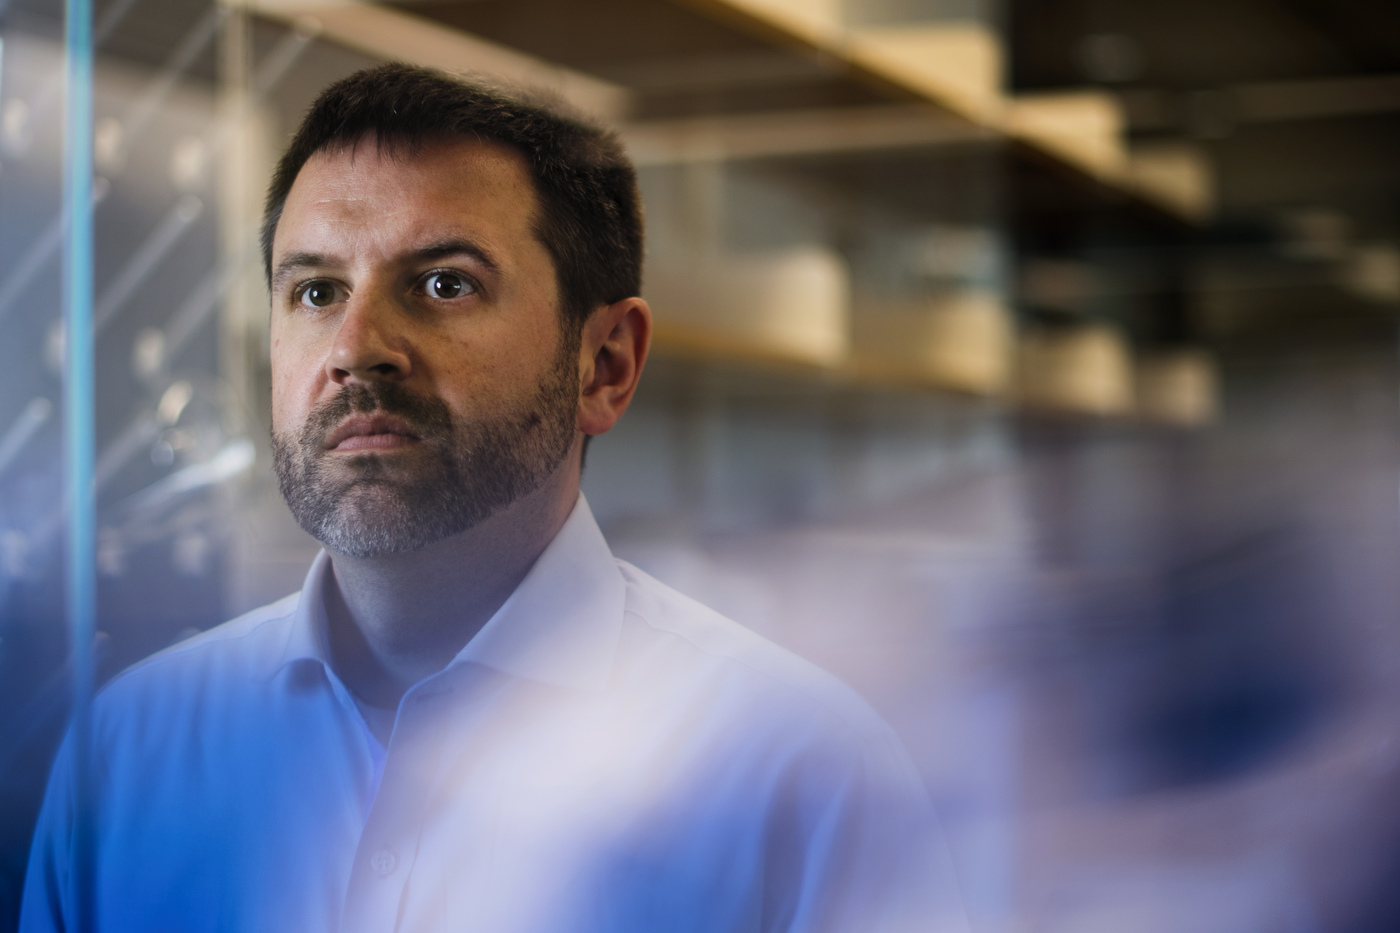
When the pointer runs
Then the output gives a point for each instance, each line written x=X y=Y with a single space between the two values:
x=457 y=247
x=452 y=247
x=293 y=261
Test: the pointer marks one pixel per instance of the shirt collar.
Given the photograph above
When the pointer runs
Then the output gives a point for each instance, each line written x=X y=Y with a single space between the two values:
x=307 y=639
x=561 y=626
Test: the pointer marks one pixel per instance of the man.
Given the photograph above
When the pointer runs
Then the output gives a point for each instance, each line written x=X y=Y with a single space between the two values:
x=472 y=717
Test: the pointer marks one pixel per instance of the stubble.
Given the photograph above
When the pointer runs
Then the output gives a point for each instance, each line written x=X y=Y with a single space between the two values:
x=460 y=473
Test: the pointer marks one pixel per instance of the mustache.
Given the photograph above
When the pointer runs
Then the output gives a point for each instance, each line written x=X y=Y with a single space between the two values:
x=427 y=415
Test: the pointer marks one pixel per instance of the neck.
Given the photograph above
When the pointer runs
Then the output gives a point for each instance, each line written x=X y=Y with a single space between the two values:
x=397 y=619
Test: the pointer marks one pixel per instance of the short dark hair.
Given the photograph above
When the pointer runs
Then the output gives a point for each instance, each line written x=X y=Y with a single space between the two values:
x=590 y=214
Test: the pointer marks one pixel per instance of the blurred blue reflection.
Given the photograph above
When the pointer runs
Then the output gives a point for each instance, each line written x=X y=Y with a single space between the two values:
x=1148 y=674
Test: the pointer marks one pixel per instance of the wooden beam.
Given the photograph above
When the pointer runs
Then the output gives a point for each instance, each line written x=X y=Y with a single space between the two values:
x=799 y=132
x=394 y=35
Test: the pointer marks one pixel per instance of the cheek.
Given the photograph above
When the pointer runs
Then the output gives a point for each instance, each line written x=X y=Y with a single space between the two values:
x=495 y=366
x=283 y=417
x=293 y=388
x=534 y=348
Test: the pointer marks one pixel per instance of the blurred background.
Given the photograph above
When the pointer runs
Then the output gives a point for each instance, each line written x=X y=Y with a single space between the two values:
x=1033 y=365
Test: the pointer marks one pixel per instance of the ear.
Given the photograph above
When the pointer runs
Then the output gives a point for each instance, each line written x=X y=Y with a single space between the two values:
x=613 y=348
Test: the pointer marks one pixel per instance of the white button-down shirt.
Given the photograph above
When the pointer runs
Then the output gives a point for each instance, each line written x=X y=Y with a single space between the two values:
x=605 y=755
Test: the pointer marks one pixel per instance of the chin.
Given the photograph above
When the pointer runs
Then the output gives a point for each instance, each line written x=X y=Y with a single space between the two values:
x=381 y=519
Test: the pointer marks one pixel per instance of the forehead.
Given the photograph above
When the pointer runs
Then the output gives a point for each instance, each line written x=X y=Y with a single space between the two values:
x=387 y=197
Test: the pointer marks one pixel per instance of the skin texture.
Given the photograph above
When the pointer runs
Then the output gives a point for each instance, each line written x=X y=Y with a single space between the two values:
x=354 y=303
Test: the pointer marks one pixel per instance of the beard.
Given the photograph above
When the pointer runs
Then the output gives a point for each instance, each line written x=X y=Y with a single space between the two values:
x=461 y=471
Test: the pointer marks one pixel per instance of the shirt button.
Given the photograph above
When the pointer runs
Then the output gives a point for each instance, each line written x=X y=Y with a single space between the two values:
x=384 y=862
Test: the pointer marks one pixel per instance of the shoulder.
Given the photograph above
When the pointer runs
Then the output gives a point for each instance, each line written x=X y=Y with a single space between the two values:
x=703 y=644
x=243 y=648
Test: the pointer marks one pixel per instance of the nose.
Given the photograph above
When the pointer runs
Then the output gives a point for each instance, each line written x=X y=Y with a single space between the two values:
x=371 y=344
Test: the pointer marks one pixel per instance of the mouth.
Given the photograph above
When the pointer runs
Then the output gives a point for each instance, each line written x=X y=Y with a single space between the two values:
x=360 y=433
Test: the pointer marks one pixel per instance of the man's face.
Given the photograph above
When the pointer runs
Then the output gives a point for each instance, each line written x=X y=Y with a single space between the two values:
x=422 y=378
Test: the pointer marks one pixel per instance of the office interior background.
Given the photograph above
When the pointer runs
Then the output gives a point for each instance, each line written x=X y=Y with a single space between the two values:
x=1032 y=365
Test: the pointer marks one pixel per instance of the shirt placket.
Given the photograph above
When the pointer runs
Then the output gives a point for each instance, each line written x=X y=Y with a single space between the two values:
x=389 y=842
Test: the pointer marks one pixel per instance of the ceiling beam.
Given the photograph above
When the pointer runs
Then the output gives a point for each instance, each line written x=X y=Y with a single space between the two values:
x=798 y=132
x=394 y=35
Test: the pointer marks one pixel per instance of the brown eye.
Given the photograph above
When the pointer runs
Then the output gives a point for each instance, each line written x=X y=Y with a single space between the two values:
x=447 y=285
x=319 y=295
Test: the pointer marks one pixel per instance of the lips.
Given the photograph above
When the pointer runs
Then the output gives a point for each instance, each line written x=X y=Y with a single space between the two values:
x=371 y=432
